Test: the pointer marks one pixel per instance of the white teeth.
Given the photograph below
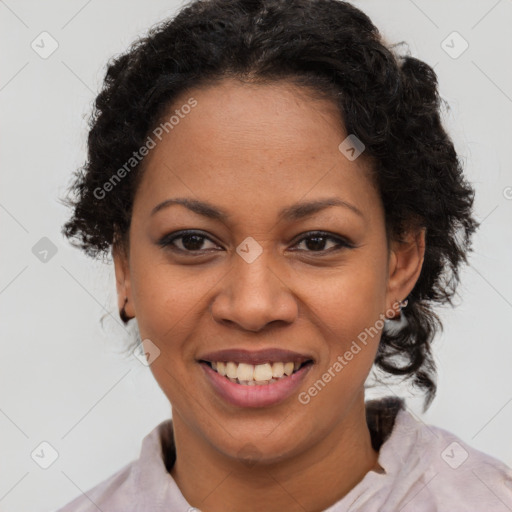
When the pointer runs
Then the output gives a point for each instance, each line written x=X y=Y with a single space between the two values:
x=245 y=371
x=288 y=368
x=277 y=370
x=221 y=368
x=251 y=375
x=262 y=372
x=231 y=369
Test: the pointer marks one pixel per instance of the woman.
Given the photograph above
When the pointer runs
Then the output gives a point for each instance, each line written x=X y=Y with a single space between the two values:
x=284 y=209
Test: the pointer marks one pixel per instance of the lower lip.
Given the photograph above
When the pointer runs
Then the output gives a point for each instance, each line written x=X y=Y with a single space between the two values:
x=258 y=395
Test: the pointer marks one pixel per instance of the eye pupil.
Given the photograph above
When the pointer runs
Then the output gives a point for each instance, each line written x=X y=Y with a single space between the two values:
x=315 y=244
x=195 y=246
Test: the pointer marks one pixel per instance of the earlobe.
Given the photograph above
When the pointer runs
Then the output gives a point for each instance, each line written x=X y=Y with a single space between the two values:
x=405 y=264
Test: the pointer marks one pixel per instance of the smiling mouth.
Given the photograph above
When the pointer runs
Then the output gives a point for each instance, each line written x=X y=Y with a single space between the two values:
x=255 y=375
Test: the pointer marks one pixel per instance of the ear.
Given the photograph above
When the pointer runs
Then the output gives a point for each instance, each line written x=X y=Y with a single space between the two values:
x=123 y=285
x=405 y=263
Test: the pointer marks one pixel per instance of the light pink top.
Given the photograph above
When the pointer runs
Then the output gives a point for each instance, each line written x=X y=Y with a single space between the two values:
x=426 y=469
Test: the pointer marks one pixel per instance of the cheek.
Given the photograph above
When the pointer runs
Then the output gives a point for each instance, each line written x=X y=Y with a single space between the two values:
x=347 y=307
x=348 y=299
x=350 y=325
x=165 y=295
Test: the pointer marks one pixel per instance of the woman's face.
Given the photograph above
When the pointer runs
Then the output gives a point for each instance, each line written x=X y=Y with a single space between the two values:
x=258 y=279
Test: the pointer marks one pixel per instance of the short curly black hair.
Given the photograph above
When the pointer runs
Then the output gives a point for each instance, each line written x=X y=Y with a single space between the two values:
x=389 y=101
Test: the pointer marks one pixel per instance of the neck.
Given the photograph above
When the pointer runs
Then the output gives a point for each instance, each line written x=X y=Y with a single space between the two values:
x=313 y=480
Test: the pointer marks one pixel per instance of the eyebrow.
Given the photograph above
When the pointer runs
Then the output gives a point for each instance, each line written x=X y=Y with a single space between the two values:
x=291 y=213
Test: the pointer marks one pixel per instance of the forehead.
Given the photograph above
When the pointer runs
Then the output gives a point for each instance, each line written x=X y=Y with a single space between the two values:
x=245 y=144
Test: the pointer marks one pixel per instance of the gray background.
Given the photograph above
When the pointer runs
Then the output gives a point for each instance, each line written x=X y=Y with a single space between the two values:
x=62 y=377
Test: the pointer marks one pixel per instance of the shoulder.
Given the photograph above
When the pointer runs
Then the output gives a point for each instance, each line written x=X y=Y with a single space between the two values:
x=129 y=488
x=110 y=492
x=436 y=470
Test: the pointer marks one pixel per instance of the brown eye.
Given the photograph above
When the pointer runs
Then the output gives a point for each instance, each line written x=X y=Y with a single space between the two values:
x=317 y=241
x=185 y=241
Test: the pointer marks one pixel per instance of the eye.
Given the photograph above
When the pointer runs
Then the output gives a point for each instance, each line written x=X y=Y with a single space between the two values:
x=193 y=242
x=190 y=241
x=316 y=241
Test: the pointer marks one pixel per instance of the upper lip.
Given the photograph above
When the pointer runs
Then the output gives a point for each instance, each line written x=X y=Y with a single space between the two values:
x=269 y=355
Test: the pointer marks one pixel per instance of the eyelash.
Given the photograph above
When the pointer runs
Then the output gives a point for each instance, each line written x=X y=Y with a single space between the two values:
x=167 y=241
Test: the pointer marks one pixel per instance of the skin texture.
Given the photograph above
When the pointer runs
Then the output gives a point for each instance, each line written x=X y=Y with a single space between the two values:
x=253 y=150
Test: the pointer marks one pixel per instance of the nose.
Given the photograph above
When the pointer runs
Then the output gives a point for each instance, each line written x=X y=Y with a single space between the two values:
x=253 y=295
